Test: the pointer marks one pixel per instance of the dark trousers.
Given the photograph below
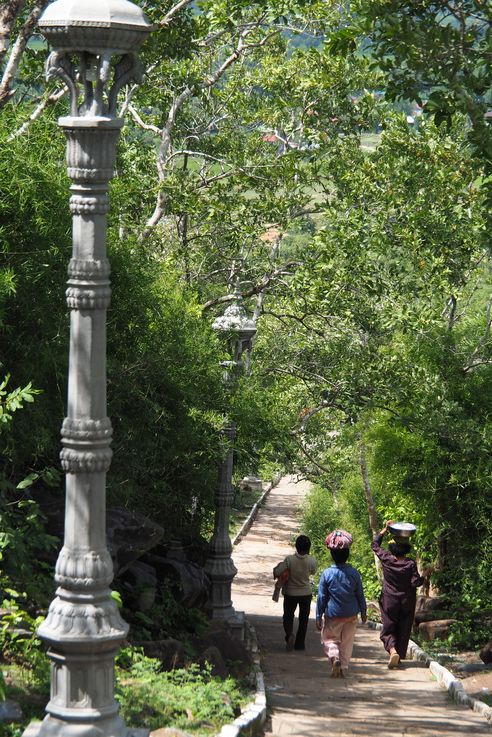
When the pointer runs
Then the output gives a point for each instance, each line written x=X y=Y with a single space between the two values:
x=290 y=606
x=397 y=613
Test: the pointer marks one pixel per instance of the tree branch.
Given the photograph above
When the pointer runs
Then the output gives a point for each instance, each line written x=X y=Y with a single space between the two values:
x=475 y=359
x=54 y=97
x=309 y=456
x=138 y=120
x=371 y=507
x=161 y=159
x=17 y=51
x=172 y=12
x=257 y=289
x=166 y=136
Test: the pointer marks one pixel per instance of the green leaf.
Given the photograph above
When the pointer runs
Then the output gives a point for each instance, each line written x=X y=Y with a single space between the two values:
x=28 y=481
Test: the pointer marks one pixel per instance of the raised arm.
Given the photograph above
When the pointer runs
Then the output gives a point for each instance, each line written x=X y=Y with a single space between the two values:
x=417 y=579
x=376 y=543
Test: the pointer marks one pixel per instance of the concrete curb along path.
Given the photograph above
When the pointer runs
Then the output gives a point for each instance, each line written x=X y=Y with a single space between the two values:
x=303 y=700
x=452 y=684
x=252 y=719
x=254 y=511
x=445 y=678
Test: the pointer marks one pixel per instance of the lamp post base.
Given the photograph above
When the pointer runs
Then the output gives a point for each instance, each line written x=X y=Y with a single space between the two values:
x=237 y=624
x=234 y=621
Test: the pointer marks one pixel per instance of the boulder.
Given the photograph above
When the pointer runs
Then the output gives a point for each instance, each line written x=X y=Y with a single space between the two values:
x=471 y=667
x=429 y=603
x=192 y=583
x=10 y=711
x=140 y=585
x=437 y=629
x=230 y=648
x=141 y=574
x=429 y=615
x=213 y=657
x=170 y=652
x=486 y=653
x=129 y=536
x=252 y=483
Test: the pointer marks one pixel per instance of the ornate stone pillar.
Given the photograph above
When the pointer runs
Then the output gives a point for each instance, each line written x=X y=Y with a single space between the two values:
x=239 y=330
x=83 y=627
x=220 y=566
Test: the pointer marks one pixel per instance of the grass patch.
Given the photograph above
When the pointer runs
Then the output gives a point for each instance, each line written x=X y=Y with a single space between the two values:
x=30 y=689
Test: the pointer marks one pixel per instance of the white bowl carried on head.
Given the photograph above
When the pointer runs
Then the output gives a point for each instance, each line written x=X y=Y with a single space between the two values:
x=402 y=529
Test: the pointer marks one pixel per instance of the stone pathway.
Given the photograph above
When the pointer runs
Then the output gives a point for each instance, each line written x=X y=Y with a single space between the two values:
x=304 y=701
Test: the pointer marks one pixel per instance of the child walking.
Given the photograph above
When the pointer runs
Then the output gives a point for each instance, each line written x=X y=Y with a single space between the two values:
x=340 y=599
x=297 y=591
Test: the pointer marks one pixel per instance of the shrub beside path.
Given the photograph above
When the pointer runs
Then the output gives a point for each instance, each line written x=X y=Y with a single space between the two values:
x=304 y=701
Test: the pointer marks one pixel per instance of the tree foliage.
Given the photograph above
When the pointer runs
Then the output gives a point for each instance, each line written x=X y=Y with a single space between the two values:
x=367 y=270
x=436 y=53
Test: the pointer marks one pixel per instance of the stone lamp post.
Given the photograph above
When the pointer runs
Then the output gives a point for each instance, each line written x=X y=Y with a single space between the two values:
x=239 y=330
x=83 y=628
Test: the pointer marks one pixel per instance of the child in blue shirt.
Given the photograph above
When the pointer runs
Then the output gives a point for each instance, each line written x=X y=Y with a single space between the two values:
x=340 y=599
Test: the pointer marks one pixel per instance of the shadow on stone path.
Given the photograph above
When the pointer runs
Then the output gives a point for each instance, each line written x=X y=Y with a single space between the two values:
x=303 y=700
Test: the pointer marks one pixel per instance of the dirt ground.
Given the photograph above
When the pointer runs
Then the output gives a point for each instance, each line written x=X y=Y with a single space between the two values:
x=479 y=685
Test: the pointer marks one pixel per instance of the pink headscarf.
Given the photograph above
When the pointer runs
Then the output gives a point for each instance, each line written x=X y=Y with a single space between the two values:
x=338 y=539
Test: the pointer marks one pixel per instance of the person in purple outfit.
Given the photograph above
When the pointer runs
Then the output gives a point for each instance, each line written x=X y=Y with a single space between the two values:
x=398 y=597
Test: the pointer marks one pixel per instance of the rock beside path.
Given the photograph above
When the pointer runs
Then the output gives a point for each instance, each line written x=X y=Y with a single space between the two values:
x=486 y=653
x=438 y=629
x=10 y=711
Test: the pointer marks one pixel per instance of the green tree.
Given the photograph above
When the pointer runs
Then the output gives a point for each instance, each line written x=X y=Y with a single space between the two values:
x=436 y=53
x=384 y=335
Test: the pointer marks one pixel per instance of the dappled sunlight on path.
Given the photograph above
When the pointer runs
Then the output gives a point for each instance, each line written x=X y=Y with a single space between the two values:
x=304 y=700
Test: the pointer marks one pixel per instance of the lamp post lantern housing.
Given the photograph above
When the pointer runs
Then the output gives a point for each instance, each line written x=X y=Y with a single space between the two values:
x=239 y=330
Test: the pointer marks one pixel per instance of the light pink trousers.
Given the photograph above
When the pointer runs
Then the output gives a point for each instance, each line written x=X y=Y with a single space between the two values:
x=337 y=638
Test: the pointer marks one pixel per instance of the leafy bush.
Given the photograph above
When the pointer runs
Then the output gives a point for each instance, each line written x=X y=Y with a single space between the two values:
x=20 y=643
x=23 y=538
x=190 y=699
x=166 y=618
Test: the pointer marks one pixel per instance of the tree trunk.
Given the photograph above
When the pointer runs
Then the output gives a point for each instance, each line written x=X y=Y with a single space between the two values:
x=9 y=12
x=371 y=509
x=8 y=15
